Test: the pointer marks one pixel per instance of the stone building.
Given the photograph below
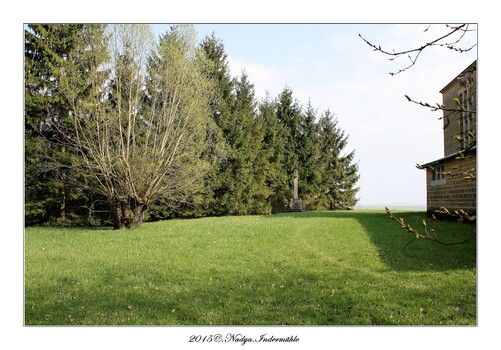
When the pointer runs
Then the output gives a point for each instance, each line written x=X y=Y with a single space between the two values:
x=451 y=180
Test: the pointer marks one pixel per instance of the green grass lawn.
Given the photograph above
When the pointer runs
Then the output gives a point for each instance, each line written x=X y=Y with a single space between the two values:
x=310 y=268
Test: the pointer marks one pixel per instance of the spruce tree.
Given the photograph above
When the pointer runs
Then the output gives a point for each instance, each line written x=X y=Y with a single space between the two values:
x=339 y=174
x=308 y=151
x=273 y=156
x=244 y=142
x=222 y=99
x=289 y=118
x=253 y=148
x=55 y=53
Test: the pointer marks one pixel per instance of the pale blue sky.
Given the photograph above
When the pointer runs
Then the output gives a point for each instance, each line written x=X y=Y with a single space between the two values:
x=332 y=66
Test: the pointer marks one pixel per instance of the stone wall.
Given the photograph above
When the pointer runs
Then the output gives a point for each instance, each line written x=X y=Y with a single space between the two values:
x=452 y=121
x=457 y=190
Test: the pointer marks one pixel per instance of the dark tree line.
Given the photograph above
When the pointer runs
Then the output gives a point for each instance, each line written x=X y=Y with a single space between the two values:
x=94 y=115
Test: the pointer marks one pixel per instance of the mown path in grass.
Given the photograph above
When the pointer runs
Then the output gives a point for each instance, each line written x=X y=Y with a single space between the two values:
x=319 y=268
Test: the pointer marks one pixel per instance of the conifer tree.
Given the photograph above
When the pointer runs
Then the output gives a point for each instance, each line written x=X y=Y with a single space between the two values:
x=339 y=174
x=308 y=151
x=53 y=52
x=251 y=149
x=289 y=118
x=238 y=195
x=218 y=73
x=273 y=156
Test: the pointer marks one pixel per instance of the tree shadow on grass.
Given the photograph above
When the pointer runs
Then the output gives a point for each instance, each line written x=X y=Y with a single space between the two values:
x=281 y=292
x=293 y=297
x=390 y=240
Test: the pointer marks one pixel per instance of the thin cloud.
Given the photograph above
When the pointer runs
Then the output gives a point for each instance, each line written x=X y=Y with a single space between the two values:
x=264 y=78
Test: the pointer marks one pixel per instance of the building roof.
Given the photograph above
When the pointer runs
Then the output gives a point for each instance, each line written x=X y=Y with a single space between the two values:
x=470 y=68
x=471 y=150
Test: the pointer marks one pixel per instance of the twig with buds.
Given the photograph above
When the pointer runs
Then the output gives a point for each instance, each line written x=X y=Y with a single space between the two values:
x=431 y=233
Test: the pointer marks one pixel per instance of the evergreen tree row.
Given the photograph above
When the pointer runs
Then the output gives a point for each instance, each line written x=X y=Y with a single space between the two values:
x=254 y=149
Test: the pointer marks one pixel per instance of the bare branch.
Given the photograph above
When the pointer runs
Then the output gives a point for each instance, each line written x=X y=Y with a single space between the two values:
x=440 y=107
x=414 y=53
x=460 y=215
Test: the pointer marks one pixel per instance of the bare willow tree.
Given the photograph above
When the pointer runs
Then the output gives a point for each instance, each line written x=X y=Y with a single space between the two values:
x=143 y=135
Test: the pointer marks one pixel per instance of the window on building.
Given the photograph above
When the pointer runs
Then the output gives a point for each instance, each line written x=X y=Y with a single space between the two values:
x=438 y=173
x=467 y=125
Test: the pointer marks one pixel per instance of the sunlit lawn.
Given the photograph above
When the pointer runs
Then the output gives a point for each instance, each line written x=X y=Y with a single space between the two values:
x=310 y=268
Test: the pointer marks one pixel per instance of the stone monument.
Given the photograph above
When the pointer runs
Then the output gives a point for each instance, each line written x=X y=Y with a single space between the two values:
x=296 y=203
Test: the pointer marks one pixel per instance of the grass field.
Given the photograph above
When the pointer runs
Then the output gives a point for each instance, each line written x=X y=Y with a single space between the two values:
x=310 y=268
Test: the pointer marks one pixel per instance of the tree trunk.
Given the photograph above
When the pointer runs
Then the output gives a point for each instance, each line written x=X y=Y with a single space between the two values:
x=62 y=205
x=62 y=193
x=118 y=217
x=138 y=215
x=138 y=210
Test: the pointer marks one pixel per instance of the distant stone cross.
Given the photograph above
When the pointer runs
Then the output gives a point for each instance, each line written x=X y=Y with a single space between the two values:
x=296 y=203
